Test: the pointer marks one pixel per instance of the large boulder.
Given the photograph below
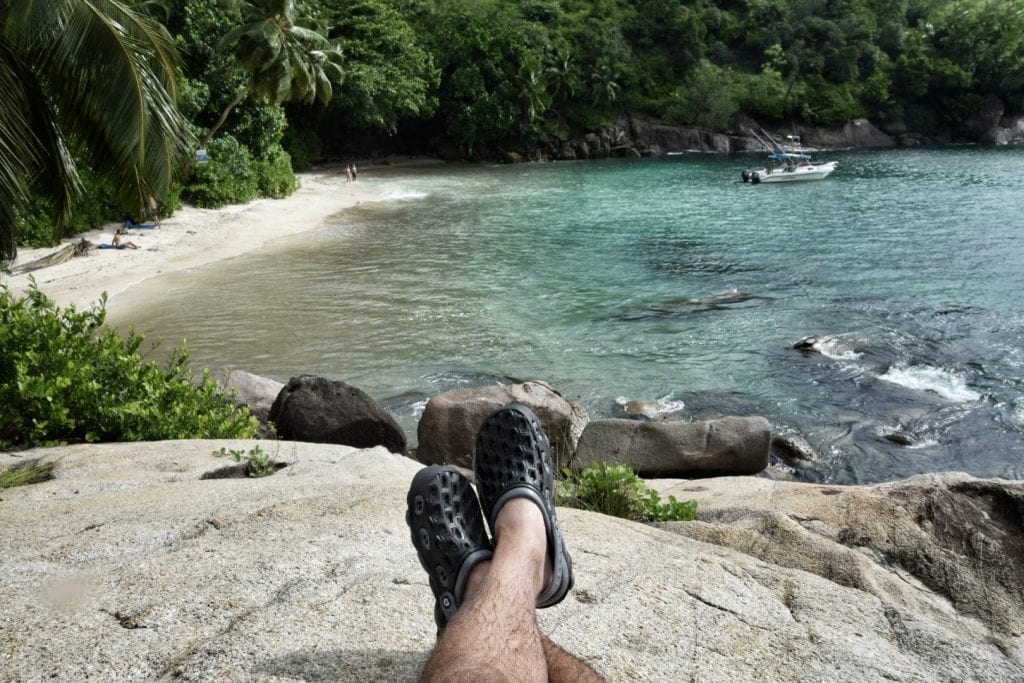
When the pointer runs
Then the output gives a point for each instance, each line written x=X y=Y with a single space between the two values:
x=940 y=546
x=856 y=133
x=252 y=391
x=133 y=564
x=447 y=430
x=728 y=445
x=320 y=410
x=983 y=124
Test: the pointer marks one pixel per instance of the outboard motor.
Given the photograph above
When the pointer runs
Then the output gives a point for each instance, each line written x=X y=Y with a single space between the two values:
x=746 y=176
x=755 y=177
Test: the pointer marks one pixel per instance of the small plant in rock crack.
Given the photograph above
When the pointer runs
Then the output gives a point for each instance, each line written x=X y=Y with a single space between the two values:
x=256 y=460
x=615 y=489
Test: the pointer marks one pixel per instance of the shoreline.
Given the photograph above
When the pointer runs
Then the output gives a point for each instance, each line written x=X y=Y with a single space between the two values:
x=194 y=237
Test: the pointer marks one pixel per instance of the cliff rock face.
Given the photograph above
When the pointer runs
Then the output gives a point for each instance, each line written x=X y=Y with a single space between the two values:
x=133 y=563
x=636 y=136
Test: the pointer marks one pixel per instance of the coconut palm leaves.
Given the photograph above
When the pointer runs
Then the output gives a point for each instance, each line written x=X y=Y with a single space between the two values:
x=285 y=60
x=95 y=75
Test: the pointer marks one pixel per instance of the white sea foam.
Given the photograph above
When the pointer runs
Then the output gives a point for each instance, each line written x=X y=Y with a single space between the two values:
x=418 y=407
x=838 y=348
x=402 y=195
x=944 y=383
x=662 y=406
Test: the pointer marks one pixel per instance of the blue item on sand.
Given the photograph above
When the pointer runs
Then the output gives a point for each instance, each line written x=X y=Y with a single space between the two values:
x=140 y=226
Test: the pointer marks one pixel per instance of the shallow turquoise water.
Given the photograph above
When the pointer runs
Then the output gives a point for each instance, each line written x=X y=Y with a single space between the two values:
x=666 y=280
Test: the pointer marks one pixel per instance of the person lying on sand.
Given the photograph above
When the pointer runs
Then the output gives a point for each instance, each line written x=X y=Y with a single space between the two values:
x=119 y=242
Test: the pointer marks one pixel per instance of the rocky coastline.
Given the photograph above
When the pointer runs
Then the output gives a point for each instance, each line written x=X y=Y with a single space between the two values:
x=636 y=136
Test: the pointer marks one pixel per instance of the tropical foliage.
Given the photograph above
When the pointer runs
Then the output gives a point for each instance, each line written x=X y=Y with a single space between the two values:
x=85 y=83
x=65 y=377
x=93 y=84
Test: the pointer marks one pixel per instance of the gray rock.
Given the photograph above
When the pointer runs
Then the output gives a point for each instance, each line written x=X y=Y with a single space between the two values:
x=327 y=411
x=129 y=565
x=729 y=445
x=793 y=447
x=932 y=549
x=856 y=133
x=446 y=432
x=983 y=124
x=245 y=388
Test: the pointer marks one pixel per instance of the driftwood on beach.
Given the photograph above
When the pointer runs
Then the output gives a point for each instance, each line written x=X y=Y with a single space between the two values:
x=64 y=254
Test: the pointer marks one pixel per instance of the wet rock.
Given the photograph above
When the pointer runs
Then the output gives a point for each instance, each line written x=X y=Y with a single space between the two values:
x=793 y=447
x=808 y=344
x=320 y=410
x=900 y=438
x=728 y=445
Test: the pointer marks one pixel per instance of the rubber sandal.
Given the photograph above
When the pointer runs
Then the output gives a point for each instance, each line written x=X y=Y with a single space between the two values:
x=513 y=460
x=448 y=532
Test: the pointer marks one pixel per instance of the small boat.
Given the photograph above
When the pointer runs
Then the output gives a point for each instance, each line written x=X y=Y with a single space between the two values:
x=789 y=167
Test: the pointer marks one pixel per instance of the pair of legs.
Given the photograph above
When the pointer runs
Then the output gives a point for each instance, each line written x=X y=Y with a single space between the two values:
x=488 y=590
x=494 y=636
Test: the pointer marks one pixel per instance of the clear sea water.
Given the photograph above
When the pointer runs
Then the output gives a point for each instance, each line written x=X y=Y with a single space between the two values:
x=665 y=280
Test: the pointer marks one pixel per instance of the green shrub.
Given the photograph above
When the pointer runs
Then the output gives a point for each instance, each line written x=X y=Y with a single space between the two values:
x=706 y=99
x=227 y=178
x=615 y=489
x=65 y=377
x=38 y=228
x=274 y=174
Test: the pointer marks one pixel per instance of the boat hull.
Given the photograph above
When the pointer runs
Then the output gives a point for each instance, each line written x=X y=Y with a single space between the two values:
x=798 y=174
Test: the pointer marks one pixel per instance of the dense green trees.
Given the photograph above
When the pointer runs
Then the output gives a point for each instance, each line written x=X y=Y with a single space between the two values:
x=469 y=77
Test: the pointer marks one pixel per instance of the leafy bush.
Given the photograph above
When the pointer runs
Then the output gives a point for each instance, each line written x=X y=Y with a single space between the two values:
x=227 y=178
x=65 y=377
x=274 y=174
x=93 y=209
x=706 y=99
x=615 y=489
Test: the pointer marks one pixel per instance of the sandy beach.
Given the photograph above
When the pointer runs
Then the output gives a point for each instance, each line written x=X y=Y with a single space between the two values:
x=192 y=238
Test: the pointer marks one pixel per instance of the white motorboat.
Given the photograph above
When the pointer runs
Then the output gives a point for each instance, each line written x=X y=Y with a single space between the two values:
x=788 y=167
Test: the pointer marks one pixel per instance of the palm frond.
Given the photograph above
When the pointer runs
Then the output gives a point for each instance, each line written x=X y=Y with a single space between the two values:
x=33 y=156
x=111 y=74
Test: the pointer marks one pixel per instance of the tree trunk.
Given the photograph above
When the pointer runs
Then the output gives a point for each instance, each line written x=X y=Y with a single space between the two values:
x=223 y=117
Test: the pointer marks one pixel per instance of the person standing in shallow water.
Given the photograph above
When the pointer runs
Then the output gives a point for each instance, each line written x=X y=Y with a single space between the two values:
x=487 y=593
x=348 y=174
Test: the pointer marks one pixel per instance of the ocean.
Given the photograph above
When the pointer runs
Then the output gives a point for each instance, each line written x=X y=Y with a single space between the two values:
x=665 y=280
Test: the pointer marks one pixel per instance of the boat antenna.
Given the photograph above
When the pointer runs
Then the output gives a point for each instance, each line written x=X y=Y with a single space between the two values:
x=767 y=140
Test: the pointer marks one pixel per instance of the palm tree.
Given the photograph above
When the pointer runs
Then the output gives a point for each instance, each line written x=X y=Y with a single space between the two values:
x=285 y=60
x=93 y=75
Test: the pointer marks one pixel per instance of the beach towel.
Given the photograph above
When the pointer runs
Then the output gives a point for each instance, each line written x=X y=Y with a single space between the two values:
x=140 y=226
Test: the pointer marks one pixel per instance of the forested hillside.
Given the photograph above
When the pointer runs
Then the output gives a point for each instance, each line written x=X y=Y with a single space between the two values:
x=269 y=86
x=485 y=74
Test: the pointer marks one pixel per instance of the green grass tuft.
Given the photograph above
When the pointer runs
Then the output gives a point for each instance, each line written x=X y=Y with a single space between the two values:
x=615 y=489
x=23 y=475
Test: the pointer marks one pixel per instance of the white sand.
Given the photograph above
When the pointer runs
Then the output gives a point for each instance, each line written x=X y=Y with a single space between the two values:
x=191 y=238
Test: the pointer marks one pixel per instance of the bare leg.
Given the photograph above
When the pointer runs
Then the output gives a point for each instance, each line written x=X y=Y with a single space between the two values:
x=494 y=635
x=563 y=666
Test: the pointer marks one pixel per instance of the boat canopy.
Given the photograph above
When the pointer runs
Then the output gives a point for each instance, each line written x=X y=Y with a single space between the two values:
x=784 y=156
